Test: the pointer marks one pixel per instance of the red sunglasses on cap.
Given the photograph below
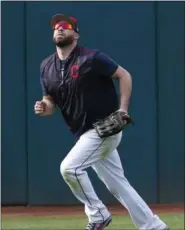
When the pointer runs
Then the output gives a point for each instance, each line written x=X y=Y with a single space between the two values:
x=64 y=25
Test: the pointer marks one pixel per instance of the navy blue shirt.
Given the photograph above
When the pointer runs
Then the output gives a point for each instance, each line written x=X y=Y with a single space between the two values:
x=81 y=87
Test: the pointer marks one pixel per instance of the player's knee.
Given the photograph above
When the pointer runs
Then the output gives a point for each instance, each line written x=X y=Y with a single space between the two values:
x=65 y=170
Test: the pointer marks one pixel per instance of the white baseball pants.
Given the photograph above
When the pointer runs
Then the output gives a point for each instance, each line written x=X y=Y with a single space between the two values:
x=102 y=156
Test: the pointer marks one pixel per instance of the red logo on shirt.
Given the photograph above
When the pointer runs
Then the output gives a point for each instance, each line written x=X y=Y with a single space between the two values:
x=74 y=71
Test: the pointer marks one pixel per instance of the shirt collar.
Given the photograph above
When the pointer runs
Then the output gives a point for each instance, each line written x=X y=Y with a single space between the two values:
x=73 y=52
x=69 y=58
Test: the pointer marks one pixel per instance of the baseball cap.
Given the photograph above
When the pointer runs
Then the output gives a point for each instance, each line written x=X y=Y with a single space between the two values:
x=61 y=17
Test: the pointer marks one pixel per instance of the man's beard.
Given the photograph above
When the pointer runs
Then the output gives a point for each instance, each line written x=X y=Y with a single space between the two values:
x=63 y=42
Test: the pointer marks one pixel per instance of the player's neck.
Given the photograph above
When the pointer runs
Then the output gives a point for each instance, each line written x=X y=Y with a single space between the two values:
x=64 y=52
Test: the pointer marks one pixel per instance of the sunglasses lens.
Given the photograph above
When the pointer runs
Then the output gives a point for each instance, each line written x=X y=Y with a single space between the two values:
x=64 y=25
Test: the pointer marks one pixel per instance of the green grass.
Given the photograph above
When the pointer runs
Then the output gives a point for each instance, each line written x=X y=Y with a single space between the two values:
x=175 y=221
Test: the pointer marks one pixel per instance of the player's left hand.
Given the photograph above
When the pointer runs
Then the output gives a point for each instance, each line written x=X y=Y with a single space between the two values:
x=112 y=124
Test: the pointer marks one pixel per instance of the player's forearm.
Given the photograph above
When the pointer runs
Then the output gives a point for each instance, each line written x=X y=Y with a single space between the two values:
x=48 y=112
x=49 y=107
x=125 y=86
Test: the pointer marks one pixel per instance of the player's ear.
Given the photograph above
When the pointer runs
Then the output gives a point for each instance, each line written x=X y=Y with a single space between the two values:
x=76 y=36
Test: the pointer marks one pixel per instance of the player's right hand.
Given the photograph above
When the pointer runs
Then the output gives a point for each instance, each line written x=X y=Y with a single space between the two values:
x=39 y=107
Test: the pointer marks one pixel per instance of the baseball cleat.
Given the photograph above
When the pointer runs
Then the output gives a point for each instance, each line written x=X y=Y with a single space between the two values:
x=99 y=226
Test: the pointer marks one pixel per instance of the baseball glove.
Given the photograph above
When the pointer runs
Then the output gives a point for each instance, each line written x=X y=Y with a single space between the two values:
x=112 y=124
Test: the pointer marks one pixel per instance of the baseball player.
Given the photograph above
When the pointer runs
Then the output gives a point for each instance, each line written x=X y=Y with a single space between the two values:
x=79 y=81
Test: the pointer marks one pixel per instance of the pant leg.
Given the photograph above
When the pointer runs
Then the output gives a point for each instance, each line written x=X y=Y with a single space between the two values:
x=110 y=171
x=88 y=150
